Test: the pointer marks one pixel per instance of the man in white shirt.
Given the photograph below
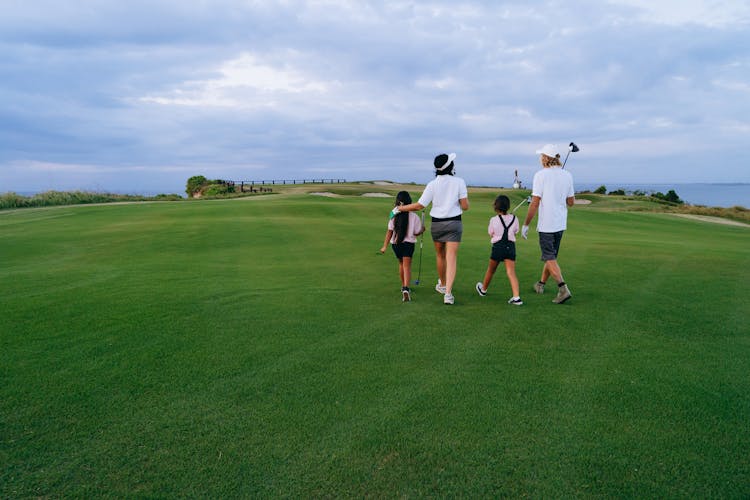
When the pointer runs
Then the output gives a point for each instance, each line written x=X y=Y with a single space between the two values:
x=551 y=195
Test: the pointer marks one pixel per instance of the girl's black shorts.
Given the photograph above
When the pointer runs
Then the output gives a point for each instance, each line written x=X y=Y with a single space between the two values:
x=403 y=249
x=502 y=250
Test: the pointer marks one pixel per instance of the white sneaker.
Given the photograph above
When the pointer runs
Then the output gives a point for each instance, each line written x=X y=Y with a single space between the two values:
x=481 y=291
x=448 y=299
x=440 y=288
x=515 y=301
x=563 y=294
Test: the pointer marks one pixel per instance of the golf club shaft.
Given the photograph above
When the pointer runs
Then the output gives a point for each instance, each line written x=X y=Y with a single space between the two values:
x=421 y=240
x=519 y=205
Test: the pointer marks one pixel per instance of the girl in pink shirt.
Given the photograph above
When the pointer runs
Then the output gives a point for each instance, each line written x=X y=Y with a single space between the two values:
x=402 y=233
x=502 y=230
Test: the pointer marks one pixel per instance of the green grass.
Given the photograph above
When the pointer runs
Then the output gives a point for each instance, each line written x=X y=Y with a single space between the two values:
x=259 y=348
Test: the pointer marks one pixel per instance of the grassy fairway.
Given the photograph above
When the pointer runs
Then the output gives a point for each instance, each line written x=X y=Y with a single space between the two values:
x=258 y=347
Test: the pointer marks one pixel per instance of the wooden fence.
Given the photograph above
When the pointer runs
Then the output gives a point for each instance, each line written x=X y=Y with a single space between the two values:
x=292 y=181
x=260 y=185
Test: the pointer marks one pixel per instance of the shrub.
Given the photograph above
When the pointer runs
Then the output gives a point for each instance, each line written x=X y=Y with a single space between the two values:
x=601 y=190
x=619 y=192
x=194 y=184
x=55 y=198
x=671 y=196
x=217 y=190
x=12 y=200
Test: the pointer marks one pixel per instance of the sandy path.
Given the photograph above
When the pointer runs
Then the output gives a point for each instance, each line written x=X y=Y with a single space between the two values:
x=715 y=220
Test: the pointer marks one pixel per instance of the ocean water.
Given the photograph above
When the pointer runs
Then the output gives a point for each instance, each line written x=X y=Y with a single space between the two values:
x=709 y=194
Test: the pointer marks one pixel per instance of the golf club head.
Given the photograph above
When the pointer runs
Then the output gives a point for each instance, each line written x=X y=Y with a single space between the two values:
x=572 y=148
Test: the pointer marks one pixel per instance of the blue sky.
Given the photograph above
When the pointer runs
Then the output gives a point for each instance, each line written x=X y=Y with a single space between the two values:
x=138 y=96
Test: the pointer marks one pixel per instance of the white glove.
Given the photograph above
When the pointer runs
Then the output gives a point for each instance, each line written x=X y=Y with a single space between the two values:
x=525 y=232
x=394 y=212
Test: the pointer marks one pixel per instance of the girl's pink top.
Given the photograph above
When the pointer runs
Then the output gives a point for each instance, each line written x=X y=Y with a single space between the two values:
x=415 y=226
x=495 y=228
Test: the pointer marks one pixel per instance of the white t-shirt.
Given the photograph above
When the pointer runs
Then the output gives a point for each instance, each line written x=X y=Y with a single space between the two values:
x=553 y=185
x=444 y=191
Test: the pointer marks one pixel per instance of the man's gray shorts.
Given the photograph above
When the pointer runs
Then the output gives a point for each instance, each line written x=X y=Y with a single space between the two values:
x=449 y=230
x=550 y=244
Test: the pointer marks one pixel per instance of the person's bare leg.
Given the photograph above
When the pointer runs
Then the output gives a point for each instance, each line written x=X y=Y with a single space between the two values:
x=451 y=259
x=405 y=271
x=510 y=270
x=551 y=268
x=440 y=260
x=545 y=274
x=491 y=268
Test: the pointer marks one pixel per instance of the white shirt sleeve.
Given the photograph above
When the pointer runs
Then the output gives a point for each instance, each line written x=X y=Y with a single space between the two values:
x=427 y=195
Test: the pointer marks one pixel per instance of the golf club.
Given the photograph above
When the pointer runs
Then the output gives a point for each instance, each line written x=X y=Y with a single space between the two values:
x=525 y=200
x=421 y=239
x=572 y=148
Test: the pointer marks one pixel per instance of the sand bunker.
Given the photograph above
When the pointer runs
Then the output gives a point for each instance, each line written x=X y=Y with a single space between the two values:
x=326 y=193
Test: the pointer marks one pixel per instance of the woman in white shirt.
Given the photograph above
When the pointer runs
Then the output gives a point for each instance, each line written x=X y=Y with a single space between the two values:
x=449 y=198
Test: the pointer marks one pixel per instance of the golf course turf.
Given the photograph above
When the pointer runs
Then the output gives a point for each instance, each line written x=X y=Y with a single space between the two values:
x=259 y=348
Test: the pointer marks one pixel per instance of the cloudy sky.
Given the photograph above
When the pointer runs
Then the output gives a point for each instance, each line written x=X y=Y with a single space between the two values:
x=138 y=95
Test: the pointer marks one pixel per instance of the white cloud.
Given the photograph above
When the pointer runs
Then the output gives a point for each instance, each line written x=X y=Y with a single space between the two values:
x=244 y=82
x=732 y=85
x=443 y=83
x=714 y=13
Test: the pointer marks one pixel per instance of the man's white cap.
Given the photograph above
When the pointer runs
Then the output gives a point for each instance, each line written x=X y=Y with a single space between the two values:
x=451 y=157
x=548 y=150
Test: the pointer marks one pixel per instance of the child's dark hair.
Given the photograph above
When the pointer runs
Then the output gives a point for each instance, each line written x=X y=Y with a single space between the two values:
x=502 y=204
x=401 y=221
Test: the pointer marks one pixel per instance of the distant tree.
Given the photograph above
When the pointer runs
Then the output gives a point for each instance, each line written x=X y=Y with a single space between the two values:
x=671 y=196
x=601 y=190
x=194 y=184
x=619 y=192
